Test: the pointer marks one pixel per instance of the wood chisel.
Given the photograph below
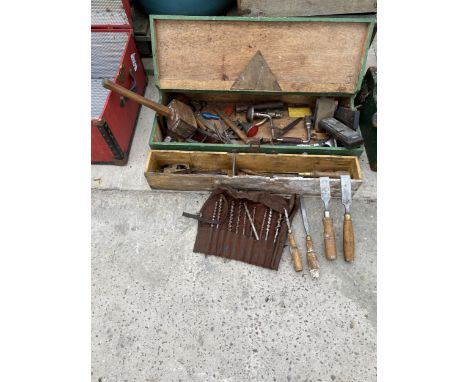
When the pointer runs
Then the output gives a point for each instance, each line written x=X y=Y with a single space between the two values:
x=295 y=255
x=311 y=254
x=328 y=231
x=348 y=232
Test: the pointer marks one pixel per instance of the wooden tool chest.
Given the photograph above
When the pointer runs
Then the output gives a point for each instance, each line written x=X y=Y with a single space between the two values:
x=209 y=60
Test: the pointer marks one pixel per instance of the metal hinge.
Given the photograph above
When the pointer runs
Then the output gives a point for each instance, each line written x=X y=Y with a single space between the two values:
x=106 y=133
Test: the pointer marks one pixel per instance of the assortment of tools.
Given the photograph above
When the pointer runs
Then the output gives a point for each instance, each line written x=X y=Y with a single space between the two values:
x=252 y=226
x=195 y=121
x=244 y=225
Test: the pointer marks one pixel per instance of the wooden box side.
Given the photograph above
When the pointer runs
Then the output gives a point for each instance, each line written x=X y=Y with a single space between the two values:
x=253 y=162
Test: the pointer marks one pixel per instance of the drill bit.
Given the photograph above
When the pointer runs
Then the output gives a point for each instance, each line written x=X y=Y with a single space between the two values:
x=263 y=223
x=270 y=212
x=219 y=210
x=238 y=217
x=214 y=213
x=251 y=220
x=278 y=226
x=231 y=217
x=245 y=218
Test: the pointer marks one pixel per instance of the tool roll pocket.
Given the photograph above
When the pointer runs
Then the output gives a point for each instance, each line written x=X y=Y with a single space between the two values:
x=232 y=234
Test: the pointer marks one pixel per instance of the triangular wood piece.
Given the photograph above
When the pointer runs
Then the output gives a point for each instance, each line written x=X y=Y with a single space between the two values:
x=256 y=75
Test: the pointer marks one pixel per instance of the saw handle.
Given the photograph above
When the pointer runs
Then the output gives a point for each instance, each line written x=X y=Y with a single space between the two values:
x=329 y=238
x=311 y=255
x=348 y=238
x=161 y=109
x=295 y=255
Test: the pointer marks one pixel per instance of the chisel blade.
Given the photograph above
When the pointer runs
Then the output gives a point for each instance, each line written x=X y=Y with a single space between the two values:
x=325 y=190
x=304 y=216
x=346 y=192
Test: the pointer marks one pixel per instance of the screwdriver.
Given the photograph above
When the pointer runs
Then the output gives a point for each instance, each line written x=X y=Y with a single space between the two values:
x=295 y=255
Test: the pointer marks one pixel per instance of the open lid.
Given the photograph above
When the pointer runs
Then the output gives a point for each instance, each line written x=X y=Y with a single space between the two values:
x=110 y=13
x=292 y=55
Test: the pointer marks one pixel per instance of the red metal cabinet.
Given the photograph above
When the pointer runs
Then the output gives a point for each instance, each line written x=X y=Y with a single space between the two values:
x=113 y=56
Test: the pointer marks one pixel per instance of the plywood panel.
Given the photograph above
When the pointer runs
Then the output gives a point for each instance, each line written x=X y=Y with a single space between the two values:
x=316 y=57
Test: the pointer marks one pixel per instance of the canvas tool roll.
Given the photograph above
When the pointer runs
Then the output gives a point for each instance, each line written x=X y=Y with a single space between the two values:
x=234 y=237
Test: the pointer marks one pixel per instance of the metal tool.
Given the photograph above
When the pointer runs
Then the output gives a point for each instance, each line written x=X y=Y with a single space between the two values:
x=220 y=209
x=252 y=114
x=292 y=140
x=261 y=106
x=232 y=126
x=180 y=118
x=278 y=226
x=251 y=221
x=278 y=133
x=200 y=218
x=295 y=255
x=231 y=217
x=238 y=218
x=214 y=214
x=348 y=232
x=311 y=254
x=308 y=126
x=250 y=129
x=346 y=135
x=245 y=218
x=263 y=223
x=328 y=231
x=270 y=213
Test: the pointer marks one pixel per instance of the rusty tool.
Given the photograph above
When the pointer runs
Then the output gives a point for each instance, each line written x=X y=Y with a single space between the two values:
x=295 y=255
x=278 y=226
x=278 y=133
x=232 y=125
x=311 y=254
x=261 y=106
x=180 y=118
x=251 y=221
x=348 y=232
x=328 y=231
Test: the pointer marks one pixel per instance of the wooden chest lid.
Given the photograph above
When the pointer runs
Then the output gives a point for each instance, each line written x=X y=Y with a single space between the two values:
x=300 y=55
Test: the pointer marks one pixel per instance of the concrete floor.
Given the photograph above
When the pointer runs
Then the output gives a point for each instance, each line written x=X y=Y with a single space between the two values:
x=163 y=313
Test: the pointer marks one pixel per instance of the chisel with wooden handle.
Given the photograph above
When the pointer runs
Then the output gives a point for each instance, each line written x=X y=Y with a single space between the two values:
x=312 y=261
x=328 y=231
x=295 y=255
x=348 y=232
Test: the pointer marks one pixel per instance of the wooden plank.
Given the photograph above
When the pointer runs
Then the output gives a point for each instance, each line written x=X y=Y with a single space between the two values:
x=304 y=7
x=305 y=56
x=280 y=185
x=287 y=163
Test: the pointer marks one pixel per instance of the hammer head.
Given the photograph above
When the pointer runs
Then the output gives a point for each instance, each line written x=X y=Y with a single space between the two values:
x=182 y=123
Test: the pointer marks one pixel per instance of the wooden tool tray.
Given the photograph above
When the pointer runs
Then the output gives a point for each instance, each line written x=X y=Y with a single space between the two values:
x=281 y=173
x=204 y=58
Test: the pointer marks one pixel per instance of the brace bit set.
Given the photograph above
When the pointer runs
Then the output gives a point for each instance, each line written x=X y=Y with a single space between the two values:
x=244 y=226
